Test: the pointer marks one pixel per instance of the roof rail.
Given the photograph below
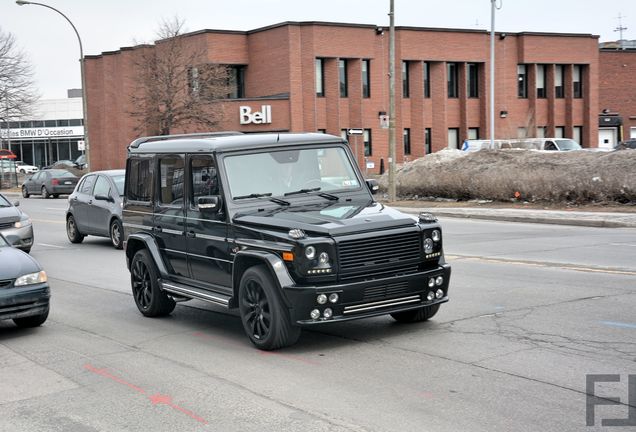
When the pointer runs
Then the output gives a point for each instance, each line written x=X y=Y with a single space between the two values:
x=136 y=143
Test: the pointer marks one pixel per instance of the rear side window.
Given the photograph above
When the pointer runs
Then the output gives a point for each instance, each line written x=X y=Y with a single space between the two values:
x=139 y=184
x=87 y=184
x=102 y=187
x=172 y=182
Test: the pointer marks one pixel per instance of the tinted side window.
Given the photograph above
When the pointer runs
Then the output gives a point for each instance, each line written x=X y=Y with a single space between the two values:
x=87 y=185
x=171 y=188
x=102 y=187
x=204 y=178
x=138 y=182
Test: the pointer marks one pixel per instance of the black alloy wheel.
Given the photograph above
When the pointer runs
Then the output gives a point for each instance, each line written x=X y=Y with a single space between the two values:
x=116 y=234
x=72 y=232
x=149 y=298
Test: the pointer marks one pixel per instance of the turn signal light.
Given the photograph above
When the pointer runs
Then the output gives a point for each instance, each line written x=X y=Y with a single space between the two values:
x=288 y=256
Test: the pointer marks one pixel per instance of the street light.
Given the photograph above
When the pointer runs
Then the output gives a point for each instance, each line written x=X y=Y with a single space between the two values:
x=85 y=112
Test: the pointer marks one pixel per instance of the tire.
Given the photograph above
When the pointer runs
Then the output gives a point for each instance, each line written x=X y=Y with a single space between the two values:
x=265 y=319
x=144 y=280
x=45 y=193
x=32 y=321
x=416 y=315
x=72 y=232
x=22 y=171
x=25 y=192
x=116 y=234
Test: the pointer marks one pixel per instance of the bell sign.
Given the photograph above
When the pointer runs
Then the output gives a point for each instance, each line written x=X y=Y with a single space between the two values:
x=259 y=117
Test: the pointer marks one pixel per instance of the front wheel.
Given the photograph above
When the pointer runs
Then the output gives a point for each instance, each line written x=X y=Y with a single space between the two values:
x=25 y=192
x=116 y=234
x=144 y=279
x=416 y=315
x=32 y=321
x=265 y=319
x=72 y=232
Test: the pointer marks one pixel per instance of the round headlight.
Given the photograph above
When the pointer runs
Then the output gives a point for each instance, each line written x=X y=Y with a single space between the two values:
x=439 y=294
x=323 y=258
x=436 y=235
x=431 y=283
x=439 y=280
x=333 y=297
x=430 y=296
x=428 y=245
x=328 y=313
x=310 y=252
x=321 y=299
x=315 y=314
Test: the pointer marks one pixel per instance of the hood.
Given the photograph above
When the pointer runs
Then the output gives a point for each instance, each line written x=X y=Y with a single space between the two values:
x=15 y=263
x=9 y=214
x=330 y=219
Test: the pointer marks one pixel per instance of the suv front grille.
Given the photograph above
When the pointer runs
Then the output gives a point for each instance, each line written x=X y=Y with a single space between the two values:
x=380 y=256
x=6 y=225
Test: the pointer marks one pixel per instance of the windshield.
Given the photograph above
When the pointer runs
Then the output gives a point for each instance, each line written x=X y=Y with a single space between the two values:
x=567 y=144
x=3 y=242
x=119 y=183
x=4 y=202
x=284 y=171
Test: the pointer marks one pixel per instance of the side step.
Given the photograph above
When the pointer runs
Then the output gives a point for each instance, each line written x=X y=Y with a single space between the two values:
x=194 y=293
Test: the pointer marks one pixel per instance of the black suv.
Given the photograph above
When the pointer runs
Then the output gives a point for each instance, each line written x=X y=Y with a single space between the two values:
x=281 y=227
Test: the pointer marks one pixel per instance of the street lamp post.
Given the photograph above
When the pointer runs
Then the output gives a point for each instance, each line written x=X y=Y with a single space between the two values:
x=84 y=105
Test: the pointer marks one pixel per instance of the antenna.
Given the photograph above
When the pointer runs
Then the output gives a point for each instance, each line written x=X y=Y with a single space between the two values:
x=620 y=29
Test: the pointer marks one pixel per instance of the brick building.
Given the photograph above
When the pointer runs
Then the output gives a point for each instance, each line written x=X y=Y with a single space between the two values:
x=315 y=76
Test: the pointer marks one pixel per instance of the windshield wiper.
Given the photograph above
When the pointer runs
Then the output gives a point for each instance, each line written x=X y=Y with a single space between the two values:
x=262 y=195
x=316 y=189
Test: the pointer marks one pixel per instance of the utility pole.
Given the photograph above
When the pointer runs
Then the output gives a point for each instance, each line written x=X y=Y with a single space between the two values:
x=493 y=4
x=620 y=29
x=391 y=102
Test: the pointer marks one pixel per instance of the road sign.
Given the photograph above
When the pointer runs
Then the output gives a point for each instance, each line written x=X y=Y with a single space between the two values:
x=355 y=131
x=81 y=145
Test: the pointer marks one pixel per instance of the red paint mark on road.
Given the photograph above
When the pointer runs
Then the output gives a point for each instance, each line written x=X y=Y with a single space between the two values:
x=155 y=399
x=426 y=395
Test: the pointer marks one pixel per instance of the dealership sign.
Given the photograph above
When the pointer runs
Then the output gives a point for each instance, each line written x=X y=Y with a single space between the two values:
x=40 y=133
x=258 y=117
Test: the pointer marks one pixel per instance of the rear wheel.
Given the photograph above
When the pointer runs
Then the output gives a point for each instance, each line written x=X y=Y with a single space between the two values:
x=72 y=232
x=144 y=278
x=416 y=315
x=265 y=319
x=25 y=192
x=116 y=234
x=32 y=321
x=45 y=192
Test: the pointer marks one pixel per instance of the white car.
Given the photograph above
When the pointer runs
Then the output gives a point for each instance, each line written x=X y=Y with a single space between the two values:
x=23 y=168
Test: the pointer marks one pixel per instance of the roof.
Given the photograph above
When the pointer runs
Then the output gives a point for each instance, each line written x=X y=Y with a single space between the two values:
x=225 y=141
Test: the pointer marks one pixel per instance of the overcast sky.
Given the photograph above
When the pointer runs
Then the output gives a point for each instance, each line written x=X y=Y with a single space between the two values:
x=106 y=25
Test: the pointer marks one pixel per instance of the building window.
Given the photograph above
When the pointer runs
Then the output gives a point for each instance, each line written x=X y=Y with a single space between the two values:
x=324 y=131
x=473 y=80
x=366 y=78
x=558 y=82
x=405 y=79
x=542 y=131
x=473 y=133
x=577 y=134
x=541 y=93
x=368 y=150
x=343 y=134
x=453 y=138
x=522 y=81
x=427 y=141
x=236 y=82
x=452 y=79
x=320 y=75
x=559 y=132
x=214 y=81
x=406 y=137
x=522 y=132
x=342 y=78
x=427 y=80
x=577 y=82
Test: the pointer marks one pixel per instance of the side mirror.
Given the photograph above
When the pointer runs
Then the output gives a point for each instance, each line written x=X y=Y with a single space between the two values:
x=210 y=203
x=373 y=185
x=104 y=198
x=16 y=203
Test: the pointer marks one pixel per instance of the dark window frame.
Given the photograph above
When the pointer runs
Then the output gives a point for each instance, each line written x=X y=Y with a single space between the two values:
x=452 y=80
x=559 y=90
x=406 y=90
x=427 y=79
x=368 y=144
x=428 y=132
x=406 y=140
x=522 y=81
x=540 y=71
x=365 y=68
x=472 y=80
x=343 y=79
x=577 y=86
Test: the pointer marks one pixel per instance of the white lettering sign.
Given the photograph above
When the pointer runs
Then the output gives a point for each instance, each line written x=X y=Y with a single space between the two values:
x=41 y=133
x=259 y=117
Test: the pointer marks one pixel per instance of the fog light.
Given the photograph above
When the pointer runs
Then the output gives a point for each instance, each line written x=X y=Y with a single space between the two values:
x=436 y=235
x=439 y=280
x=439 y=294
x=431 y=283
x=333 y=298
x=321 y=299
x=315 y=314
x=428 y=245
x=430 y=296
x=328 y=313
x=323 y=258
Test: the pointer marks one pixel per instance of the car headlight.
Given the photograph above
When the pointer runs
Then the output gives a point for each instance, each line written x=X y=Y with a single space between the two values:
x=310 y=252
x=31 y=278
x=436 y=235
x=23 y=223
x=428 y=245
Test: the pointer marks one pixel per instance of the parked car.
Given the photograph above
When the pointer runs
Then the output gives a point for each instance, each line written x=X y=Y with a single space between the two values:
x=7 y=154
x=15 y=225
x=80 y=162
x=61 y=164
x=24 y=290
x=23 y=168
x=280 y=227
x=94 y=207
x=626 y=145
x=49 y=183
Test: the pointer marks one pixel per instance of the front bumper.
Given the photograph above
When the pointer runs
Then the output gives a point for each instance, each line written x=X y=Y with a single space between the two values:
x=24 y=301
x=21 y=238
x=365 y=299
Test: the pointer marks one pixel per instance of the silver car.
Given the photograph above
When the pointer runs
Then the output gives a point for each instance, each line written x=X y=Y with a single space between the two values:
x=15 y=225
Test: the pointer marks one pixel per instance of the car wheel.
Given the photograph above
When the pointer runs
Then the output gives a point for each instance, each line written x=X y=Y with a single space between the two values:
x=150 y=300
x=32 y=321
x=25 y=192
x=72 y=232
x=45 y=192
x=22 y=171
x=416 y=315
x=265 y=319
x=116 y=234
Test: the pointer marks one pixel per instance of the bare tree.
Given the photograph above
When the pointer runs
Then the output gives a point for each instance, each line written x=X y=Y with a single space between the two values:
x=18 y=93
x=175 y=86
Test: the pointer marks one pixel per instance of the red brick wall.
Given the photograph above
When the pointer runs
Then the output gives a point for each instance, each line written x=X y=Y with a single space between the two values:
x=617 y=86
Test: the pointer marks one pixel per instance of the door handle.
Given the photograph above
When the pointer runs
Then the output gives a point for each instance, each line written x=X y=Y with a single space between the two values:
x=157 y=228
x=191 y=234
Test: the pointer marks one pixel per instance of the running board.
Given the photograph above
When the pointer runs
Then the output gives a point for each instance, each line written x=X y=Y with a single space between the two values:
x=195 y=293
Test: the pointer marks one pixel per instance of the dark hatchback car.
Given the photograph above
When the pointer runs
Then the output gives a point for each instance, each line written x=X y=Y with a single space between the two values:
x=49 y=183
x=94 y=207
x=24 y=291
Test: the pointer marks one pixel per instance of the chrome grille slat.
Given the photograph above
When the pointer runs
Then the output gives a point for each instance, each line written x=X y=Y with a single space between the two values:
x=381 y=304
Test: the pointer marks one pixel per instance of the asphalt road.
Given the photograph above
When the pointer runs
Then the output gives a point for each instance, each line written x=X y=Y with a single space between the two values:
x=534 y=309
